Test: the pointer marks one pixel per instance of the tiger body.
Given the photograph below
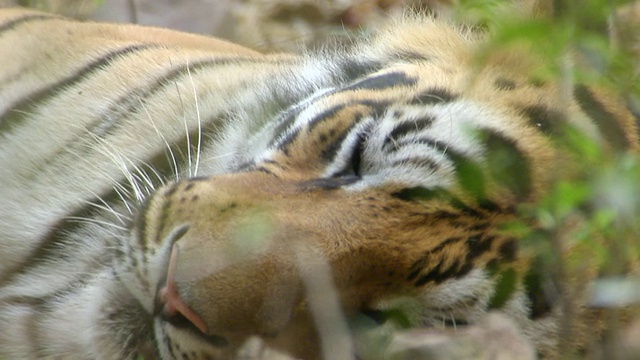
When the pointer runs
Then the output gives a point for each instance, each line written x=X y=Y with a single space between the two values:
x=153 y=178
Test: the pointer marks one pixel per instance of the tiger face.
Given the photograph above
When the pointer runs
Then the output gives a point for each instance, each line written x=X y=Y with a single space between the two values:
x=280 y=227
x=225 y=195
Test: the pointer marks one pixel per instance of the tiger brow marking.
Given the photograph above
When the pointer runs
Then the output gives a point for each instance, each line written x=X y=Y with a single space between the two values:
x=12 y=24
x=15 y=114
x=289 y=117
x=283 y=144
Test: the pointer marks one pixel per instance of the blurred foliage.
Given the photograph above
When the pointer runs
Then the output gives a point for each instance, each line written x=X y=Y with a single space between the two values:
x=586 y=229
x=587 y=225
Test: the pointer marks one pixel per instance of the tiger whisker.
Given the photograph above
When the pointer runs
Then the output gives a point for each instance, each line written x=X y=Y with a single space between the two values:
x=106 y=207
x=137 y=192
x=219 y=156
x=155 y=172
x=95 y=221
x=186 y=127
x=118 y=187
x=197 y=108
x=118 y=160
x=173 y=161
x=143 y=177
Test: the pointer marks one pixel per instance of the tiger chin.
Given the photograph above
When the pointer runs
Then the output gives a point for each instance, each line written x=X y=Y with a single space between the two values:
x=173 y=196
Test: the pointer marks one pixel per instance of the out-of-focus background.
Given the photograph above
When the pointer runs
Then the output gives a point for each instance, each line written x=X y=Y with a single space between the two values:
x=267 y=25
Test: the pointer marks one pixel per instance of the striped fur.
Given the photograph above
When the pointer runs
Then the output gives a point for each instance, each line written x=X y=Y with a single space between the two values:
x=172 y=195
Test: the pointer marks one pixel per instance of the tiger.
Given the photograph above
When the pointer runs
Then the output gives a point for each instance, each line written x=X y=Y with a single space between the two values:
x=168 y=195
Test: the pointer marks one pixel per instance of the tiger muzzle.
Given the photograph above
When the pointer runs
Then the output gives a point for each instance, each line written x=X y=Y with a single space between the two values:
x=243 y=266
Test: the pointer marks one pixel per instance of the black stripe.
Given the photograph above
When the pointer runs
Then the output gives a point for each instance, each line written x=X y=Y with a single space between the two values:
x=477 y=245
x=132 y=102
x=330 y=151
x=420 y=193
x=54 y=244
x=285 y=121
x=507 y=164
x=324 y=116
x=352 y=166
x=434 y=96
x=404 y=128
x=548 y=121
x=505 y=84
x=165 y=339
x=468 y=172
x=354 y=69
x=445 y=243
x=328 y=183
x=283 y=143
x=424 y=194
x=17 y=113
x=420 y=162
x=12 y=24
x=537 y=285
x=440 y=274
x=411 y=56
x=381 y=82
x=509 y=249
x=418 y=265
x=607 y=123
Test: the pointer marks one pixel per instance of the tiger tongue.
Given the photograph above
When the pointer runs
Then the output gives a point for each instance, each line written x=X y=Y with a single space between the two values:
x=171 y=300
